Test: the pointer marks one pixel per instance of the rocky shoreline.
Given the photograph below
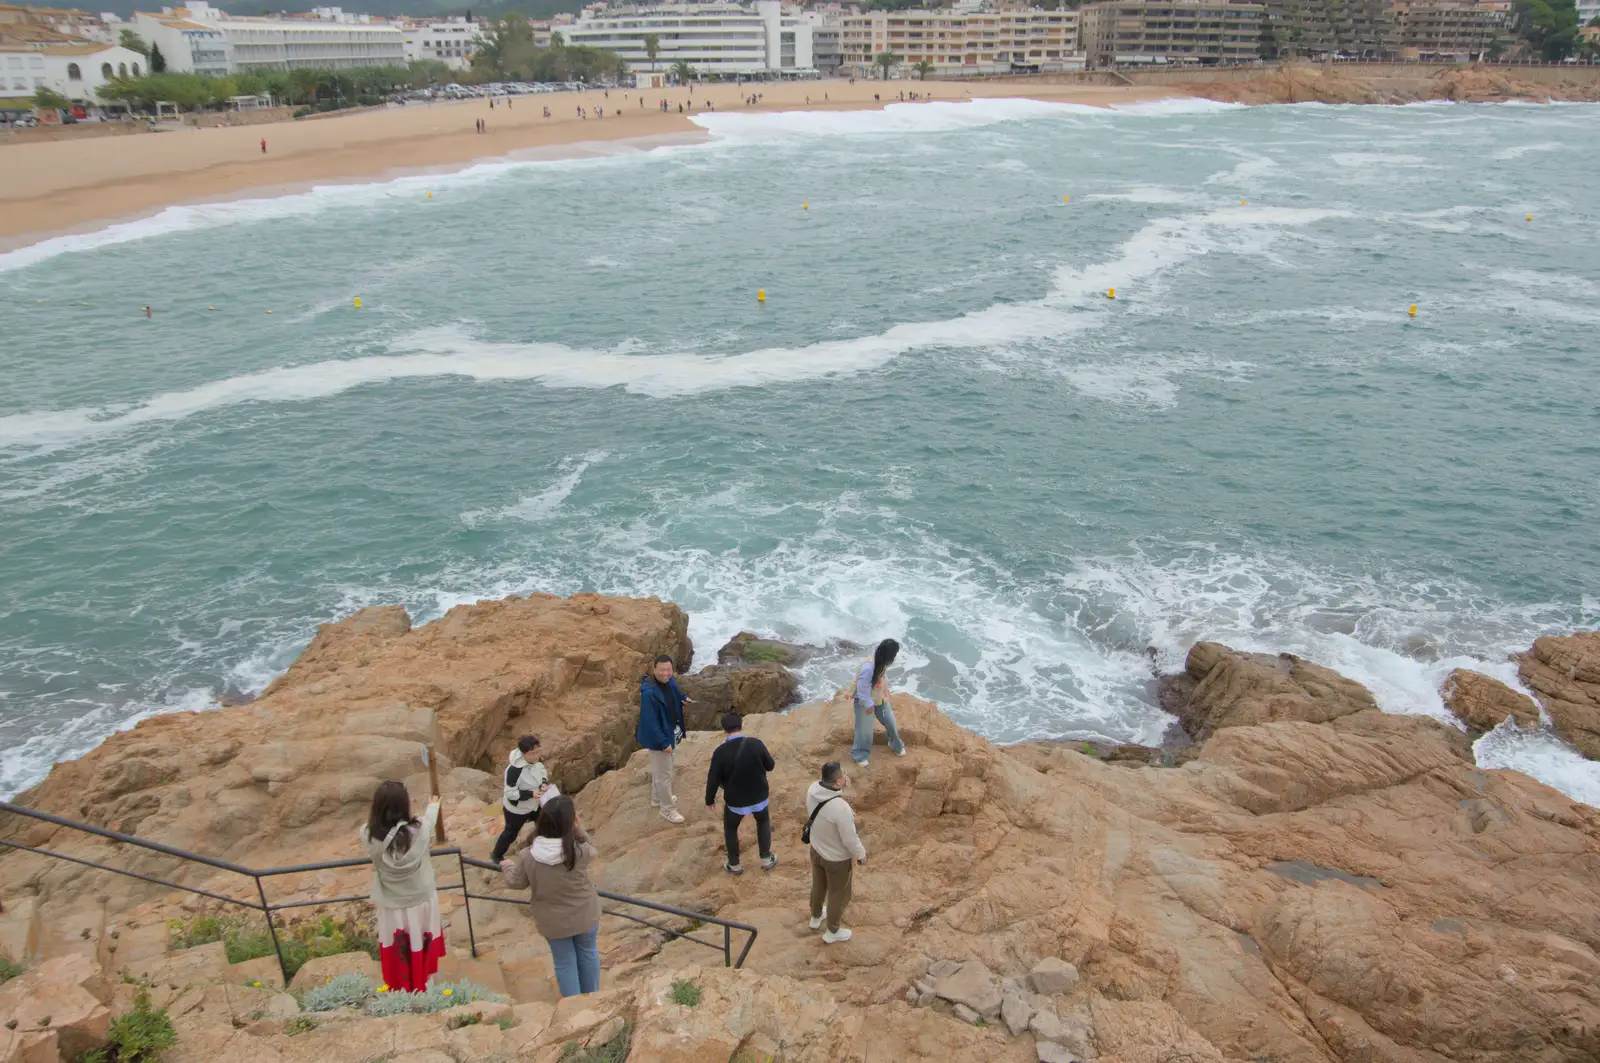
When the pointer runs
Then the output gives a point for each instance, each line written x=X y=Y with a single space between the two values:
x=1304 y=83
x=1310 y=879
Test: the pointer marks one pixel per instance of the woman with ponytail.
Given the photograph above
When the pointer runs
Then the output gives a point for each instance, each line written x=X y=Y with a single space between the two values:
x=566 y=908
x=872 y=699
x=410 y=932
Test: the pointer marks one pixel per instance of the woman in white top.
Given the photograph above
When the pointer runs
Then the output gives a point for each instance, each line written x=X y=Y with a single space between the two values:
x=410 y=932
x=872 y=699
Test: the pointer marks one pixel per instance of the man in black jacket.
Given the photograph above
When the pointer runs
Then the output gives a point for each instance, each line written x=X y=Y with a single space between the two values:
x=739 y=768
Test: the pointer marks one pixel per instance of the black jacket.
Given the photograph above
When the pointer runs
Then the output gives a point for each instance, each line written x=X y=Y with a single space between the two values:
x=739 y=768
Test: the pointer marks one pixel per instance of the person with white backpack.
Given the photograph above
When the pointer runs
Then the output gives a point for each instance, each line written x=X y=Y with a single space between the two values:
x=872 y=699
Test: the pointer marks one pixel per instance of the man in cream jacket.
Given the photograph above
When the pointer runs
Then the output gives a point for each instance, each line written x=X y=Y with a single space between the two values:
x=835 y=850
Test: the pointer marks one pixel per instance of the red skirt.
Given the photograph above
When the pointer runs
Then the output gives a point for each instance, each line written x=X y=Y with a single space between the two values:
x=410 y=945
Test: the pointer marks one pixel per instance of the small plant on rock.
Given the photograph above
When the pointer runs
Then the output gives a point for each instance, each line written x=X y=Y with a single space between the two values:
x=686 y=993
x=9 y=969
x=141 y=1036
x=470 y=1018
x=341 y=991
x=613 y=1051
x=437 y=997
x=299 y=1025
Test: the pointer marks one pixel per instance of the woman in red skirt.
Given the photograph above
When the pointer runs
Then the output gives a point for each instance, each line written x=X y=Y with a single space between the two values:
x=410 y=936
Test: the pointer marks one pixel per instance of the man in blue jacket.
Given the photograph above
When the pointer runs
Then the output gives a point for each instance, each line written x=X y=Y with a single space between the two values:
x=660 y=730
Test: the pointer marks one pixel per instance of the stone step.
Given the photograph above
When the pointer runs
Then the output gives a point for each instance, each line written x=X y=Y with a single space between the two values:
x=55 y=932
x=487 y=973
x=18 y=927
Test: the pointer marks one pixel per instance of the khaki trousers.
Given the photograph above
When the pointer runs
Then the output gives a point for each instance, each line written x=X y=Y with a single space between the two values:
x=661 y=779
x=830 y=882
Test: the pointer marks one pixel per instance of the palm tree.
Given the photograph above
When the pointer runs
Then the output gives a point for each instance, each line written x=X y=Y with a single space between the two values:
x=652 y=47
x=923 y=69
x=887 y=60
x=682 y=71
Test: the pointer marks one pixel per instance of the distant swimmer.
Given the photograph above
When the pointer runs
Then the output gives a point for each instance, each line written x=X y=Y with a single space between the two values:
x=148 y=312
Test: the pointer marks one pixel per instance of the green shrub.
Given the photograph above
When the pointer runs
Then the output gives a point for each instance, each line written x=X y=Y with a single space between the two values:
x=141 y=1036
x=245 y=939
x=9 y=969
x=760 y=651
x=470 y=1018
x=685 y=993
x=613 y=1051
x=437 y=997
x=300 y=1024
x=341 y=991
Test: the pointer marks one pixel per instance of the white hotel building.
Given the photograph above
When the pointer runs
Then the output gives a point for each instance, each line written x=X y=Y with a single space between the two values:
x=253 y=44
x=714 y=38
x=449 y=41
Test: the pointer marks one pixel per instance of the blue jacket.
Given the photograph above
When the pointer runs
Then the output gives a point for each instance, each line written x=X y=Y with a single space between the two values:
x=660 y=714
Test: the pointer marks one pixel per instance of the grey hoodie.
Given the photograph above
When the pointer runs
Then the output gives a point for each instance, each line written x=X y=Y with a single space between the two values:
x=403 y=880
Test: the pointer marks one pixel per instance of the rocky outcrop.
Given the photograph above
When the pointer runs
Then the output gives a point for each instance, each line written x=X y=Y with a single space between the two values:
x=1220 y=687
x=763 y=687
x=748 y=648
x=290 y=775
x=1320 y=882
x=1564 y=674
x=1483 y=702
x=1304 y=83
x=57 y=1011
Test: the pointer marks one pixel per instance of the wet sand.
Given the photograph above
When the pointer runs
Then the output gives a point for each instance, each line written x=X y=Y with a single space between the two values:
x=64 y=186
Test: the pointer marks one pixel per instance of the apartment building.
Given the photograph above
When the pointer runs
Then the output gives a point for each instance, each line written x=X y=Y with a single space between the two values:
x=1019 y=40
x=724 y=39
x=449 y=41
x=188 y=47
x=1123 y=32
x=1449 y=30
x=1360 y=28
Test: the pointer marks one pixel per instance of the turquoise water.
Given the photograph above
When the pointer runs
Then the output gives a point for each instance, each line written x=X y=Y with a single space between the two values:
x=937 y=427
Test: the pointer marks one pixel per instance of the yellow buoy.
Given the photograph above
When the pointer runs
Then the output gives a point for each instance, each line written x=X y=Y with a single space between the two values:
x=761 y=295
x=1111 y=293
x=430 y=195
x=269 y=311
x=210 y=308
x=83 y=304
x=1066 y=199
x=1413 y=310
x=358 y=302
x=805 y=206
x=1530 y=217
x=1241 y=202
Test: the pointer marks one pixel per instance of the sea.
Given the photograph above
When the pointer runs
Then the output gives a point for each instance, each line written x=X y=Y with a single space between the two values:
x=1046 y=392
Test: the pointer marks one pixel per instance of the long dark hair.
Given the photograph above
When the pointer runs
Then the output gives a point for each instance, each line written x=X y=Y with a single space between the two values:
x=559 y=819
x=391 y=804
x=882 y=658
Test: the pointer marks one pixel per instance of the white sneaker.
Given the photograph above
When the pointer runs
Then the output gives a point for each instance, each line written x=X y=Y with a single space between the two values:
x=671 y=815
x=816 y=924
x=900 y=752
x=831 y=938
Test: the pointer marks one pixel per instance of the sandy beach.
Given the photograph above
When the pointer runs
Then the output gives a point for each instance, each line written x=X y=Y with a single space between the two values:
x=63 y=186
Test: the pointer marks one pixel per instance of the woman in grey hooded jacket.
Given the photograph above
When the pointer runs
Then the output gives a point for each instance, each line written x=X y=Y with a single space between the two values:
x=410 y=931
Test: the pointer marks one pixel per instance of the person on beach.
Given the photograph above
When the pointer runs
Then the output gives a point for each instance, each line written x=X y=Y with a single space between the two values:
x=660 y=730
x=872 y=699
x=565 y=908
x=526 y=780
x=410 y=932
x=836 y=849
x=263 y=145
x=739 y=769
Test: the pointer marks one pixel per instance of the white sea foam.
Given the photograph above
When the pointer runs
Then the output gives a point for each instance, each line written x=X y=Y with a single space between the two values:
x=541 y=505
x=1525 y=149
x=449 y=351
x=1544 y=756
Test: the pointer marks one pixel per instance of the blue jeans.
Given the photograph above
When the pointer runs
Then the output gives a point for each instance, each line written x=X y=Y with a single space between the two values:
x=862 y=747
x=577 y=961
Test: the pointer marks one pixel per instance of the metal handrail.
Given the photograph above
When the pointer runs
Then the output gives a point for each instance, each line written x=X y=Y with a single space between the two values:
x=267 y=909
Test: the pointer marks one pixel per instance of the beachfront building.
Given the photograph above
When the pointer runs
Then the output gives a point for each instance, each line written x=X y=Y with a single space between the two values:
x=74 y=70
x=827 y=28
x=725 y=40
x=188 y=47
x=1015 y=40
x=1588 y=11
x=451 y=41
x=1139 y=32
x=68 y=24
x=289 y=42
x=1448 y=30
x=1362 y=29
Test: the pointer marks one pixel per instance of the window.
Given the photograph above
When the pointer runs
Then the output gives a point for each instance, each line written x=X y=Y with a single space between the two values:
x=105 y=71
x=136 y=70
x=122 y=70
x=73 y=73
x=36 y=62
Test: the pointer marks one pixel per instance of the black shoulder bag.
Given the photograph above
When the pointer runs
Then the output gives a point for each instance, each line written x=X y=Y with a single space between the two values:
x=805 y=834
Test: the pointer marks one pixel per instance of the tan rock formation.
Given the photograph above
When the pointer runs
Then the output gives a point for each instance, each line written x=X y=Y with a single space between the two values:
x=763 y=687
x=1321 y=882
x=1305 y=83
x=57 y=1011
x=1564 y=674
x=1483 y=702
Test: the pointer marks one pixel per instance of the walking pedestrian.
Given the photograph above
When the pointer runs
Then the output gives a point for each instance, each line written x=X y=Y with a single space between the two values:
x=739 y=769
x=263 y=145
x=526 y=780
x=872 y=699
x=410 y=932
x=835 y=850
x=660 y=730
x=565 y=907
